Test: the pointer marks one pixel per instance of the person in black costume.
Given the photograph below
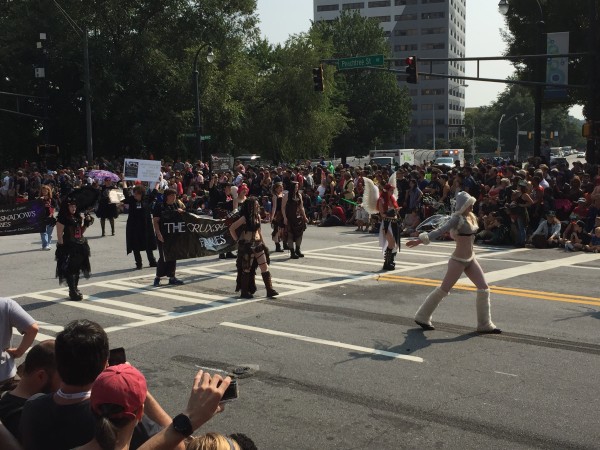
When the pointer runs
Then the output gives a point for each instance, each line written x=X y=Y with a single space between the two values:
x=252 y=251
x=72 y=250
x=164 y=268
x=139 y=234
x=106 y=209
x=295 y=220
x=221 y=203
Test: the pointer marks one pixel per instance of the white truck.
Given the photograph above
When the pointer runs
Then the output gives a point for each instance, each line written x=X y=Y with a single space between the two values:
x=447 y=156
x=392 y=157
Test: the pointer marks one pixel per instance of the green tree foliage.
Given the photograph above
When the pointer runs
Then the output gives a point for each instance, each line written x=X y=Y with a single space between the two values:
x=378 y=109
x=558 y=15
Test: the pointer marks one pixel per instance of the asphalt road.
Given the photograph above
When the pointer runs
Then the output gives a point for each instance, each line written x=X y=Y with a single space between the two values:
x=336 y=361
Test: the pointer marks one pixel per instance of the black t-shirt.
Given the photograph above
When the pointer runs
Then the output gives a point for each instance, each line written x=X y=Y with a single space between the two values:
x=46 y=425
x=11 y=408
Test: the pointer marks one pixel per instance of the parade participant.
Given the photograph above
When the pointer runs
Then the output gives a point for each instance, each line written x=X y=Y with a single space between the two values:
x=139 y=233
x=164 y=268
x=277 y=222
x=252 y=250
x=106 y=209
x=221 y=203
x=240 y=196
x=49 y=207
x=389 y=232
x=463 y=226
x=72 y=250
x=295 y=220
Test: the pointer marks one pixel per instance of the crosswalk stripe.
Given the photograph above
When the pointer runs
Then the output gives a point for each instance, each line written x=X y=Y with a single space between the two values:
x=279 y=281
x=166 y=294
x=90 y=307
x=38 y=337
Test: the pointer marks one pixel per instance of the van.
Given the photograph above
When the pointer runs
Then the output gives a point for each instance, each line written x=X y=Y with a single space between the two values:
x=248 y=159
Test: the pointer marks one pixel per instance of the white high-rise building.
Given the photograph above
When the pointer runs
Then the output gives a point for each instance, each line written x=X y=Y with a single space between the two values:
x=426 y=29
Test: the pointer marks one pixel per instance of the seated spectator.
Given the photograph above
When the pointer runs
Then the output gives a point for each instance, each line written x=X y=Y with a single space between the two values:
x=547 y=233
x=410 y=223
x=39 y=375
x=581 y=209
x=578 y=238
x=12 y=315
x=594 y=245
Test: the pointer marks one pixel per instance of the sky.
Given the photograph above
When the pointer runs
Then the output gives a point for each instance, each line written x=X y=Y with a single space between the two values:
x=281 y=18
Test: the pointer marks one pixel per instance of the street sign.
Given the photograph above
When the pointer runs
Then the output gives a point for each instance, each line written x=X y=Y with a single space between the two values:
x=202 y=138
x=205 y=138
x=522 y=133
x=360 y=62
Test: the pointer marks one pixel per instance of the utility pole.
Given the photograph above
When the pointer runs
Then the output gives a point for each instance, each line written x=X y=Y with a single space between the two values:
x=88 y=104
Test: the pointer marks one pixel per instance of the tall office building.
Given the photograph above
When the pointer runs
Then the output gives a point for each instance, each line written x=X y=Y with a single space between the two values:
x=426 y=29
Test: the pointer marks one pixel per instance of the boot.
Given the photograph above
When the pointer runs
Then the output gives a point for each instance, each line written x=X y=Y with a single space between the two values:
x=293 y=254
x=73 y=295
x=387 y=260
x=423 y=316
x=278 y=248
x=152 y=262
x=484 y=319
x=252 y=282
x=244 y=282
x=269 y=284
x=285 y=246
x=392 y=258
x=298 y=252
x=230 y=255
x=103 y=226
x=76 y=285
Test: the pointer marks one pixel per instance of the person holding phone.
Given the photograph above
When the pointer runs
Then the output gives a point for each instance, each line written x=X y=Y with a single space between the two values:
x=462 y=227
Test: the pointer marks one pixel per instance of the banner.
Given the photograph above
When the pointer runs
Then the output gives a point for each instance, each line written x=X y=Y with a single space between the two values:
x=141 y=169
x=187 y=235
x=557 y=69
x=25 y=218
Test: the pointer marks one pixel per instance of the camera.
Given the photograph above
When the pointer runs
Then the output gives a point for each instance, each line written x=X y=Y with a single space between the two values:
x=117 y=356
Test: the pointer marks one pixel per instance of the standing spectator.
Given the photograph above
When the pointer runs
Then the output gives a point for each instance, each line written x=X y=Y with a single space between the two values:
x=12 y=315
x=545 y=152
x=49 y=207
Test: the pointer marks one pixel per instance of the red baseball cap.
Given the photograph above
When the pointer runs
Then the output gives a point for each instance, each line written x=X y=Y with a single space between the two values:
x=121 y=385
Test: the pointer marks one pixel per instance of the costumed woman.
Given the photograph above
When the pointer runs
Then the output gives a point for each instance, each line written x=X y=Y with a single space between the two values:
x=106 y=209
x=277 y=222
x=139 y=232
x=252 y=251
x=389 y=231
x=72 y=249
x=295 y=220
x=165 y=268
x=462 y=226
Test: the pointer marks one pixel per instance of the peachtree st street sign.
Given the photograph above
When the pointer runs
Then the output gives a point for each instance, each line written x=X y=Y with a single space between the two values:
x=360 y=62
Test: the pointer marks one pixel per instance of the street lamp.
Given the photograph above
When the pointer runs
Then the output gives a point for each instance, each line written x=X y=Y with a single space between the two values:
x=517 y=146
x=499 y=149
x=503 y=7
x=210 y=57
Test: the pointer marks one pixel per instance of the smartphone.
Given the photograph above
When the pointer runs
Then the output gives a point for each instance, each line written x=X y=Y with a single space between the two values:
x=117 y=356
x=231 y=393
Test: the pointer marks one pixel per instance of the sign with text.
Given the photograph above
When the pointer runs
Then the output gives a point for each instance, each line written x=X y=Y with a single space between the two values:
x=29 y=217
x=142 y=170
x=360 y=62
x=557 y=69
x=188 y=235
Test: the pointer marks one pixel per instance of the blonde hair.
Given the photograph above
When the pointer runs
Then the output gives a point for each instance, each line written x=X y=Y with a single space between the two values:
x=45 y=189
x=212 y=441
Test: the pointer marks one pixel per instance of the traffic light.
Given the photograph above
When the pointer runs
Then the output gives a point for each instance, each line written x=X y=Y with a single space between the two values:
x=411 y=70
x=319 y=85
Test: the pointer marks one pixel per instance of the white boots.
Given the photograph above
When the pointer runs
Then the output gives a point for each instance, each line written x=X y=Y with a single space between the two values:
x=484 y=318
x=423 y=316
x=482 y=303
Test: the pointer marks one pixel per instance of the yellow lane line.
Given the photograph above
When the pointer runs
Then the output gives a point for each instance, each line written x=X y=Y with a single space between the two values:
x=515 y=292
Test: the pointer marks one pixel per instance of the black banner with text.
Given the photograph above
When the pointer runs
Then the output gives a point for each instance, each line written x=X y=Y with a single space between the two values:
x=29 y=217
x=188 y=236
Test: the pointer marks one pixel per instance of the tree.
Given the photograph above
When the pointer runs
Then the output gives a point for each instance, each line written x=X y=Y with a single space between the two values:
x=378 y=110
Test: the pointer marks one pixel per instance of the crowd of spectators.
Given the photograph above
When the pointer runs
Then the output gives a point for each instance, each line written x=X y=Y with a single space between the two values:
x=516 y=204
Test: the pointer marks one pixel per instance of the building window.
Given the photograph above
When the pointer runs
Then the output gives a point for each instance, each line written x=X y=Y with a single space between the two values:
x=405 y=2
x=404 y=48
x=358 y=5
x=403 y=17
x=321 y=8
x=432 y=1
x=427 y=122
x=433 y=15
x=437 y=30
x=440 y=91
x=381 y=18
x=380 y=4
x=411 y=32
x=426 y=107
x=434 y=46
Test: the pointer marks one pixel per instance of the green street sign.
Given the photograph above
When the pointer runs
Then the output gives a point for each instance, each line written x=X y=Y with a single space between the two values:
x=205 y=138
x=360 y=62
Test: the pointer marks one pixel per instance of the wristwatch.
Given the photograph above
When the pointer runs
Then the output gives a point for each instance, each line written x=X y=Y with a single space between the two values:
x=183 y=425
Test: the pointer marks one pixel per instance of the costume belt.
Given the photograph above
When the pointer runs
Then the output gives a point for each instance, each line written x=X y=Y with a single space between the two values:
x=390 y=219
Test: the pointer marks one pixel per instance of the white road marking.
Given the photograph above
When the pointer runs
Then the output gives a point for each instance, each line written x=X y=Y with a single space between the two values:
x=38 y=337
x=299 y=337
x=172 y=294
x=504 y=373
x=230 y=276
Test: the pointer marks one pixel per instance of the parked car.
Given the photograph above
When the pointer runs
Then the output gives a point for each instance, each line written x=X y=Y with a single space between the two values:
x=581 y=154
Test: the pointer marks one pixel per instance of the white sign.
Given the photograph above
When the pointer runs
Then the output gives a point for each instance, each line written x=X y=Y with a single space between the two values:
x=142 y=170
